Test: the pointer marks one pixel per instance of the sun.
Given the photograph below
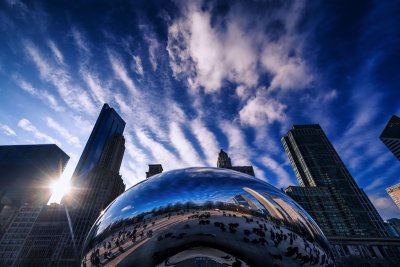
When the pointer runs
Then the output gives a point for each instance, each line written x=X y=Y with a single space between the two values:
x=59 y=188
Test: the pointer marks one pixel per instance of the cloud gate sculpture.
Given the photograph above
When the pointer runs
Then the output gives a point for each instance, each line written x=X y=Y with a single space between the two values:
x=205 y=217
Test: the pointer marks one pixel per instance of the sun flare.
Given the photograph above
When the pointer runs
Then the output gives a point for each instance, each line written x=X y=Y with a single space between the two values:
x=59 y=188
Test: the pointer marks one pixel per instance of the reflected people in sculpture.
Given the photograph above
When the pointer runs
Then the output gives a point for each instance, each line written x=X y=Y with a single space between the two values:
x=205 y=217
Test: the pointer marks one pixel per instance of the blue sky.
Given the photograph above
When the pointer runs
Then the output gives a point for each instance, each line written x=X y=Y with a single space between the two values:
x=191 y=77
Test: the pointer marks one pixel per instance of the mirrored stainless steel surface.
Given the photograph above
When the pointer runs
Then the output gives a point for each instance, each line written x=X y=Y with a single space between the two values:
x=205 y=217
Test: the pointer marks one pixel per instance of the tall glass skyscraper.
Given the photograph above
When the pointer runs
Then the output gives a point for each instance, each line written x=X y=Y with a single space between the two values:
x=96 y=180
x=327 y=188
x=108 y=123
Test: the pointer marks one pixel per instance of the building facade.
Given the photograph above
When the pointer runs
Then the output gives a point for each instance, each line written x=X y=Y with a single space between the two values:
x=154 y=169
x=108 y=124
x=390 y=136
x=96 y=181
x=395 y=222
x=394 y=193
x=16 y=234
x=40 y=246
x=331 y=196
x=26 y=172
x=317 y=164
x=224 y=161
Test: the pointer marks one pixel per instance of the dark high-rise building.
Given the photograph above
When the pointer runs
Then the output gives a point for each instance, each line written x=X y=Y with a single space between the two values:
x=102 y=185
x=224 y=161
x=391 y=135
x=108 y=124
x=16 y=234
x=44 y=238
x=154 y=169
x=317 y=164
x=395 y=222
x=331 y=196
x=96 y=180
x=26 y=172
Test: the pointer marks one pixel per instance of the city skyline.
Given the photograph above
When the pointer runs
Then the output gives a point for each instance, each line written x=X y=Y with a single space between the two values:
x=172 y=71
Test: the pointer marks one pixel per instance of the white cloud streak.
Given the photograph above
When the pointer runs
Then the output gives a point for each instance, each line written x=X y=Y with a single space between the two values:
x=43 y=95
x=56 y=52
x=159 y=152
x=153 y=47
x=184 y=147
x=283 y=178
x=138 y=66
x=72 y=95
x=7 y=130
x=80 y=41
x=121 y=73
x=98 y=90
x=207 y=141
x=238 y=147
x=71 y=139
x=26 y=125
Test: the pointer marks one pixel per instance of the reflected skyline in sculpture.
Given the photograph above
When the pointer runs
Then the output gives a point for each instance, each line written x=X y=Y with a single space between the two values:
x=176 y=215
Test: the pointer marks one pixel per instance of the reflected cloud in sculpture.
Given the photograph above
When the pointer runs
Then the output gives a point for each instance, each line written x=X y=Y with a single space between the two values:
x=210 y=215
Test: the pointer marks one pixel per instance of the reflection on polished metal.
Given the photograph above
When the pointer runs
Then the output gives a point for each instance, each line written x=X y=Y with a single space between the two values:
x=205 y=217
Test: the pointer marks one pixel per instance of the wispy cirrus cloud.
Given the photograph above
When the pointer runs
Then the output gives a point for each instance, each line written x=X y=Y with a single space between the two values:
x=70 y=138
x=138 y=66
x=43 y=95
x=26 y=125
x=206 y=139
x=159 y=152
x=283 y=177
x=98 y=90
x=238 y=147
x=71 y=93
x=153 y=47
x=56 y=52
x=80 y=41
x=121 y=73
x=7 y=130
x=185 y=149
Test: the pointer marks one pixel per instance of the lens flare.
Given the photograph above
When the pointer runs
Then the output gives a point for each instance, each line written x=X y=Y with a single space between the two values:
x=59 y=188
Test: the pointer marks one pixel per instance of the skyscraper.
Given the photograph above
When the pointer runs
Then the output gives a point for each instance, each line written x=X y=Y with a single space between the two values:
x=394 y=193
x=317 y=164
x=96 y=179
x=331 y=196
x=107 y=125
x=16 y=234
x=391 y=136
x=224 y=161
x=44 y=238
